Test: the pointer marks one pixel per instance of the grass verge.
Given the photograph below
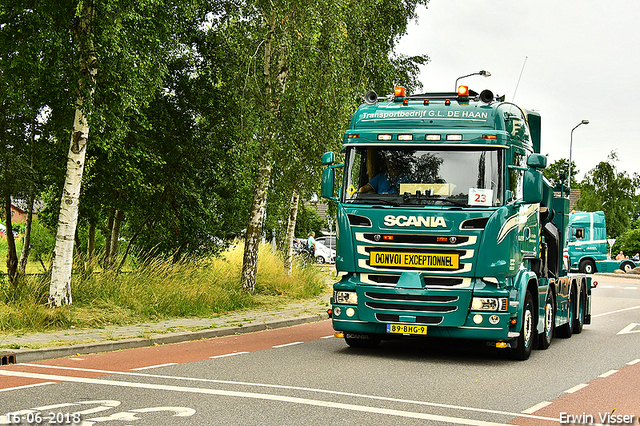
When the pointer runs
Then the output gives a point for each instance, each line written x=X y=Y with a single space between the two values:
x=157 y=290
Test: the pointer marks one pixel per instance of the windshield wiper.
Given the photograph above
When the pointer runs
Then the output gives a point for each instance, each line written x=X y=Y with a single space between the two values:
x=375 y=200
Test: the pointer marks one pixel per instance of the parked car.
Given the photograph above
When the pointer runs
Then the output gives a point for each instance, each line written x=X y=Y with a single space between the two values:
x=324 y=254
x=328 y=240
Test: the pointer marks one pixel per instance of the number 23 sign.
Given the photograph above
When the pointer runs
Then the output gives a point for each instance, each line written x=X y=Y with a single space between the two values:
x=480 y=197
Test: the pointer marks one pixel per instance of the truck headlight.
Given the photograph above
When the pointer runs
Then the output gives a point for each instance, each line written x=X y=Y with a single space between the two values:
x=490 y=304
x=345 y=297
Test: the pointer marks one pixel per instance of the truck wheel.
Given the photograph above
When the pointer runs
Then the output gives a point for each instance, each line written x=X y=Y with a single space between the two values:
x=367 y=341
x=319 y=259
x=544 y=338
x=578 y=324
x=527 y=329
x=627 y=266
x=587 y=266
x=566 y=330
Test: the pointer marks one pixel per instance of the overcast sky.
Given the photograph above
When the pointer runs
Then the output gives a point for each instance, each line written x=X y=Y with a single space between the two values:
x=582 y=63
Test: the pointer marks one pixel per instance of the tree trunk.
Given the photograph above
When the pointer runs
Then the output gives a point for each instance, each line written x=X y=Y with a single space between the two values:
x=254 y=229
x=291 y=227
x=26 y=241
x=12 y=257
x=91 y=242
x=62 y=262
x=115 y=235
x=107 y=238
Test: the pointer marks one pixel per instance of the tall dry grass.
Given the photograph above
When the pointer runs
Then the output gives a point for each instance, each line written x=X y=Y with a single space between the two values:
x=157 y=289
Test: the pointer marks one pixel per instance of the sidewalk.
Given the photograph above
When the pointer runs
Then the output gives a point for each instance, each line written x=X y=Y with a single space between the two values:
x=21 y=348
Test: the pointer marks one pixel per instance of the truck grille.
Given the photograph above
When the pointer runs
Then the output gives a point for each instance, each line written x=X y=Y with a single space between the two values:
x=411 y=308
x=411 y=297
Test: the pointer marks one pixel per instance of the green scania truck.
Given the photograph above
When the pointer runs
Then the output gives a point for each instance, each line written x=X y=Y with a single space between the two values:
x=587 y=251
x=447 y=228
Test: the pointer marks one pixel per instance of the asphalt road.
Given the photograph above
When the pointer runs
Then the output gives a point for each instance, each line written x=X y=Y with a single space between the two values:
x=303 y=374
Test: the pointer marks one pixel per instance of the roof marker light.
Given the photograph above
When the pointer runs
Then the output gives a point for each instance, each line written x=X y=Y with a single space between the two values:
x=384 y=137
x=432 y=137
x=454 y=137
x=353 y=136
x=447 y=102
x=405 y=137
x=489 y=137
x=426 y=102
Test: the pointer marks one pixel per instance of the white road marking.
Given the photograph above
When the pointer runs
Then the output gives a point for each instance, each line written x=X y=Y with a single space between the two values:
x=631 y=288
x=322 y=391
x=576 y=388
x=154 y=366
x=608 y=373
x=630 y=329
x=226 y=355
x=635 y=361
x=327 y=337
x=27 y=386
x=536 y=407
x=615 y=312
x=261 y=396
x=287 y=344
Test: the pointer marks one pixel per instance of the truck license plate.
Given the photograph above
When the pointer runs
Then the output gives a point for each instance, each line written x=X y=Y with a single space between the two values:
x=406 y=329
x=415 y=260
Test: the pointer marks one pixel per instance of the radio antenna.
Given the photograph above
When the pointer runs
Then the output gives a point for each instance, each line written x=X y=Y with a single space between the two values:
x=518 y=83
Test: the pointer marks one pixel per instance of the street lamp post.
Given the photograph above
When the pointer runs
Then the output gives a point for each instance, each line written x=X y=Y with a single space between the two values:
x=571 y=149
x=483 y=72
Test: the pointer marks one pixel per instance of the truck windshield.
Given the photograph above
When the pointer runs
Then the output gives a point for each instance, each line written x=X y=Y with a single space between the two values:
x=407 y=176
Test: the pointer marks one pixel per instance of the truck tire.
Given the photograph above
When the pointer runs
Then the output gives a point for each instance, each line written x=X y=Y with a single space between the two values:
x=587 y=266
x=366 y=341
x=527 y=331
x=544 y=338
x=319 y=259
x=627 y=266
x=581 y=313
x=566 y=330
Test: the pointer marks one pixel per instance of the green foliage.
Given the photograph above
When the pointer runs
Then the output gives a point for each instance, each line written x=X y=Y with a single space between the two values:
x=309 y=220
x=606 y=189
x=554 y=171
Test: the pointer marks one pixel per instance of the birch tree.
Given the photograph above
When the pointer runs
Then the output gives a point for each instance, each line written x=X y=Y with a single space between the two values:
x=121 y=50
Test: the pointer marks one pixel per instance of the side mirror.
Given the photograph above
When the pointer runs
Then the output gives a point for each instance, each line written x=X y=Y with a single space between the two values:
x=537 y=161
x=328 y=158
x=328 y=183
x=533 y=190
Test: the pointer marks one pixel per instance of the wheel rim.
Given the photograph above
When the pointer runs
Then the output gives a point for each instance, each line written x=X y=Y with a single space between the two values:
x=548 y=318
x=588 y=269
x=527 y=327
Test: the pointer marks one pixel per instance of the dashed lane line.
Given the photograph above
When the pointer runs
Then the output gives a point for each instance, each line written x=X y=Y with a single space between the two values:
x=608 y=373
x=536 y=407
x=287 y=344
x=227 y=355
x=576 y=388
x=298 y=388
x=154 y=366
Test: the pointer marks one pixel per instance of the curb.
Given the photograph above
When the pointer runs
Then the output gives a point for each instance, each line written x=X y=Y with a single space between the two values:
x=21 y=356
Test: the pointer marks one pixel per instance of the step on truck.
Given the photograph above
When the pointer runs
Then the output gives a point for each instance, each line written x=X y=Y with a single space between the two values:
x=447 y=228
x=587 y=251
